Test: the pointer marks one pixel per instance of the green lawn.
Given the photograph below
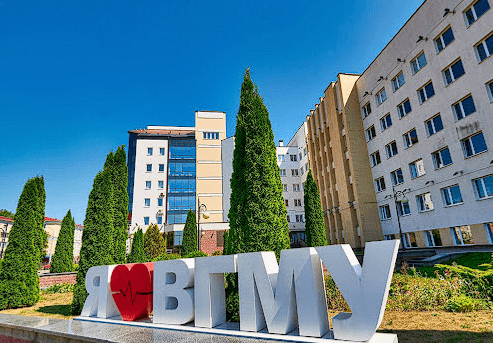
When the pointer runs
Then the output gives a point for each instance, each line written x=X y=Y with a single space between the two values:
x=471 y=260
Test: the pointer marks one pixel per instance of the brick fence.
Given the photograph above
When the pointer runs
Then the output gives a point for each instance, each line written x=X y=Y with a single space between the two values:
x=50 y=279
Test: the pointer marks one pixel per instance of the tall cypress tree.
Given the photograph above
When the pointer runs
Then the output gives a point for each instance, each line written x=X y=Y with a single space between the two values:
x=258 y=214
x=19 y=280
x=315 y=227
x=153 y=243
x=41 y=235
x=97 y=235
x=119 y=178
x=63 y=258
x=189 y=243
x=137 y=254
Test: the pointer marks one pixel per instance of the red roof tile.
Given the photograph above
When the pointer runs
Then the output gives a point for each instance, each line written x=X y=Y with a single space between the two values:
x=6 y=219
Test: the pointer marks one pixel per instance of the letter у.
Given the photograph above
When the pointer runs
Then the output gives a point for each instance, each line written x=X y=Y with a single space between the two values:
x=364 y=289
x=283 y=297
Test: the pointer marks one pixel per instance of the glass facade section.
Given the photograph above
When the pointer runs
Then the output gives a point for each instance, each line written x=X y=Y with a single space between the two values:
x=181 y=179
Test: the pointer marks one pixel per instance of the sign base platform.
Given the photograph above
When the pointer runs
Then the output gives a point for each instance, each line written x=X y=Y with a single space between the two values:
x=233 y=329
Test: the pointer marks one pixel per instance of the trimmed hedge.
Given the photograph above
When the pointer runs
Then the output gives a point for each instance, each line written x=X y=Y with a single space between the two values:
x=153 y=243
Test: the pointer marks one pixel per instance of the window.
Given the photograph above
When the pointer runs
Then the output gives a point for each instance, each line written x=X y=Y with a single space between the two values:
x=160 y=184
x=297 y=202
x=442 y=158
x=488 y=227
x=409 y=240
x=434 y=125
x=403 y=208
x=453 y=72
x=146 y=220
x=451 y=195
x=391 y=149
x=461 y=235
x=296 y=187
x=161 y=168
x=484 y=49
x=464 y=107
x=149 y=167
x=302 y=171
x=159 y=220
x=418 y=63
x=282 y=172
x=294 y=172
x=148 y=184
x=370 y=133
x=426 y=92
x=476 y=10
x=304 y=152
x=489 y=90
x=149 y=151
x=286 y=201
x=178 y=237
x=433 y=238
x=284 y=187
x=210 y=135
x=384 y=212
x=161 y=151
x=398 y=81
x=306 y=166
x=444 y=39
x=417 y=168
x=397 y=177
x=404 y=108
x=293 y=158
x=424 y=202
x=366 y=110
x=484 y=187
x=288 y=218
x=300 y=156
x=280 y=158
x=380 y=184
x=147 y=202
x=410 y=138
x=474 y=145
x=375 y=158
x=385 y=122
x=381 y=96
x=160 y=201
x=299 y=218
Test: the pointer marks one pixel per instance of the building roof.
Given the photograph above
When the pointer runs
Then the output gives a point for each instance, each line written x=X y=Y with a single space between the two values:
x=161 y=132
x=48 y=219
x=7 y=219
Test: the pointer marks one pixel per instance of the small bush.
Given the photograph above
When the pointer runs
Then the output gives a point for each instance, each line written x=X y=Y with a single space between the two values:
x=195 y=254
x=59 y=288
x=463 y=303
x=164 y=257
x=217 y=253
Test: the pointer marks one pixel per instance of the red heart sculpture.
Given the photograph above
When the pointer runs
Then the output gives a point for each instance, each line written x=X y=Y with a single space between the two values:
x=131 y=285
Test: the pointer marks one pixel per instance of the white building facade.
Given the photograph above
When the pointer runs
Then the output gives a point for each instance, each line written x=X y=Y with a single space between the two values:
x=427 y=107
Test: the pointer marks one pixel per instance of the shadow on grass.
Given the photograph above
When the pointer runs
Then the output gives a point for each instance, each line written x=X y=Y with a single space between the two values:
x=63 y=310
x=432 y=336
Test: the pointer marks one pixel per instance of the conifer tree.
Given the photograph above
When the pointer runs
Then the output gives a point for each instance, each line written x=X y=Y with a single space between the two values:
x=41 y=235
x=137 y=254
x=63 y=258
x=258 y=214
x=153 y=243
x=257 y=217
x=97 y=235
x=314 y=227
x=119 y=178
x=19 y=280
x=189 y=243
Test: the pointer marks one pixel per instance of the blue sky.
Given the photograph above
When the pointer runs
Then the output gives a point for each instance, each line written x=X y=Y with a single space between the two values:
x=76 y=75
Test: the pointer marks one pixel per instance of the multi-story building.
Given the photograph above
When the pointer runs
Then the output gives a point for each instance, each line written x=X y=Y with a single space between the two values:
x=174 y=169
x=426 y=102
x=293 y=166
x=5 y=227
x=424 y=107
x=77 y=241
x=339 y=162
x=52 y=227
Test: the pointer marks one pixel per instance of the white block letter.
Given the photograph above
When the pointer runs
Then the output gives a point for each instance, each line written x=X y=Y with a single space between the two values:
x=173 y=291
x=364 y=289
x=210 y=295
x=283 y=297
x=99 y=303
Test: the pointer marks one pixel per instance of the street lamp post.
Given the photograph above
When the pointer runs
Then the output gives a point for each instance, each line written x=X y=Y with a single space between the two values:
x=202 y=211
x=398 y=195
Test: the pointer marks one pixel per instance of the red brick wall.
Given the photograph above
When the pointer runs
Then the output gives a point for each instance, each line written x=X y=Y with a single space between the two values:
x=212 y=241
x=48 y=280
